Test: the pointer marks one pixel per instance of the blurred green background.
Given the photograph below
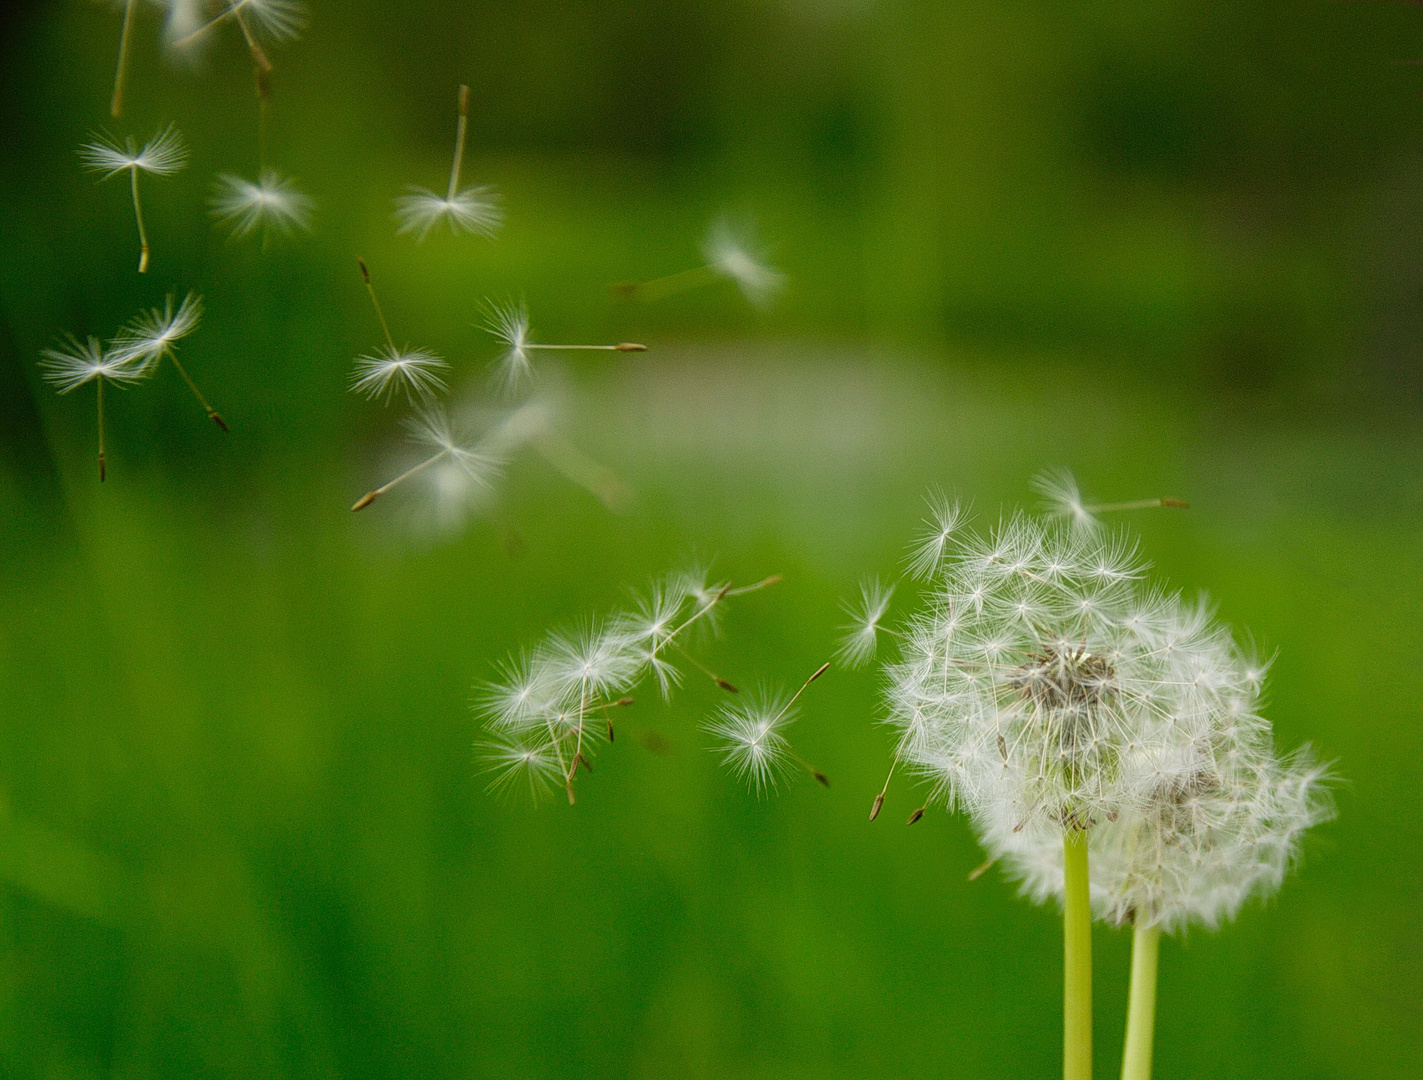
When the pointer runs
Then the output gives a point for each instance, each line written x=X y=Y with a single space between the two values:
x=1177 y=247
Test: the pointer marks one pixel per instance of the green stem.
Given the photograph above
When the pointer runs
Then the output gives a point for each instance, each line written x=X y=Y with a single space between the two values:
x=1141 y=1004
x=1077 y=959
x=103 y=468
x=142 y=230
x=657 y=288
x=212 y=413
x=117 y=105
x=461 y=131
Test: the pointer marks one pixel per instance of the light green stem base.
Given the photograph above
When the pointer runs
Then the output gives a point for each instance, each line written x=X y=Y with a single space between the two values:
x=1141 y=1004
x=1077 y=960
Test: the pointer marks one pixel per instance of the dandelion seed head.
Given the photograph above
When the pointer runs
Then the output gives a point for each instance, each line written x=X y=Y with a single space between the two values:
x=389 y=371
x=1029 y=677
x=751 y=740
x=145 y=339
x=71 y=363
x=162 y=155
x=1049 y=686
x=274 y=204
x=730 y=250
x=473 y=210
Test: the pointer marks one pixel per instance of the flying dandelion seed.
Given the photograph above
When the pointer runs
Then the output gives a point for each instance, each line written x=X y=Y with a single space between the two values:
x=272 y=205
x=470 y=210
x=731 y=251
x=509 y=322
x=752 y=740
x=73 y=363
x=520 y=766
x=163 y=155
x=1063 y=498
x=447 y=494
x=431 y=428
x=154 y=334
x=258 y=20
x=731 y=255
x=556 y=702
x=389 y=371
x=393 y=370
x=862 y=635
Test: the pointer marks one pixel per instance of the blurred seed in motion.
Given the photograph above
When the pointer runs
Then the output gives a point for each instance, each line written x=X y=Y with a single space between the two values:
x=731 y=255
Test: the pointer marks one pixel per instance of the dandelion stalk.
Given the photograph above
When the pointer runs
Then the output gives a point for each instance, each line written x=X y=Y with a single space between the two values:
x=670 y=285
x=604 y=484
x=371 y=496
x=375 y=302
x=142 y=230
x=819 y=776
x=213 y=414
x=230 y=12
x=1141 y=1004
x=1077 y=959
x=103 y=468
x=461 y=131
x=1138 y=504
x=259 y=57
x=116 y=106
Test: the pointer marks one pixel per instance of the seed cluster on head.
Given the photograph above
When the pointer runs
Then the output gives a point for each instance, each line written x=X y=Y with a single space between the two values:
x=554 y=704
x=1048 y=687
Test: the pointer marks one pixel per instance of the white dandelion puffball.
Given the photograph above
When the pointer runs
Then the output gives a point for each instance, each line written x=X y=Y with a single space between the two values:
x=1048 y=687
x=1044 y=673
